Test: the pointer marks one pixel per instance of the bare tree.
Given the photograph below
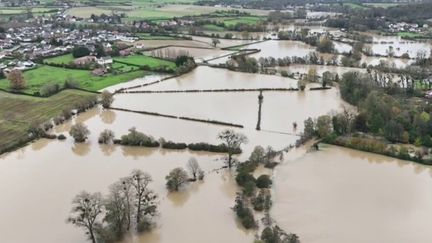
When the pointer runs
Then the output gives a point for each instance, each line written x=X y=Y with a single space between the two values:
x=85 y=212
x=145 y=199
x=79 y=132
x=194 y=168
x=215 y=42
x=106 y=136
x=233 y=141
x=107 y=98
x=176 y=178
x=16 y=79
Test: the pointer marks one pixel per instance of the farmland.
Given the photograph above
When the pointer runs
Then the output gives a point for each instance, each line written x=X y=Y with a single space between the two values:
x=37 y=78
x=18 y=113
x=64 y=59
x=140 y=60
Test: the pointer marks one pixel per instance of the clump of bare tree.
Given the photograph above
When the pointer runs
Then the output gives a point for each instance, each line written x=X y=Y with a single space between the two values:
x=130 y=204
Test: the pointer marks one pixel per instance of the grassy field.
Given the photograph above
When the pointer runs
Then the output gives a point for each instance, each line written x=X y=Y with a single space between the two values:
x=409 y=35
x=20 y=10
x=243 y=20
x=381 y=5
x=147 y=36
x=19 y=112
x=355 y=5
x=212 y=27
x=65 y=59
x=141 y=60
x=44 y=74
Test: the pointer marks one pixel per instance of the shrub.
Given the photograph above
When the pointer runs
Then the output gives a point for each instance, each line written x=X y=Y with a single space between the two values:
x=135 y=138
x=263 y=181
x=49 y=89
x=106 y=136
x=176 y=178
x=243 y=212
x=107 y=98
x=79 y=132
x=173 y=145
x=61 y=137
x=262 y=201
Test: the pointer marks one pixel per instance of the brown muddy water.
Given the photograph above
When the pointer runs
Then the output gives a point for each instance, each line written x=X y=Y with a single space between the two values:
x=199 y=54
x=323 y=196
x=339 y=195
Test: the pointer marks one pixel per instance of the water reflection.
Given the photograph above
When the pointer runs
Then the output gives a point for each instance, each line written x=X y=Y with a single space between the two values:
x=137 y=152
x=107 y=116
x=40 y=144
x=107 y=149
x=81 y=149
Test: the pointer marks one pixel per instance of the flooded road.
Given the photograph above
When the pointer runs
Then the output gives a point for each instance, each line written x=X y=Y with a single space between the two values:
x=339 y=195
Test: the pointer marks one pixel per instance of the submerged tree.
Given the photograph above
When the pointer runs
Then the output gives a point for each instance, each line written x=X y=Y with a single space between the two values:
x=107 y=98
x=195 y=169
x=145 y=199
x=79 y=132
x=85 y=212
x=233 y=141
x=176 y=178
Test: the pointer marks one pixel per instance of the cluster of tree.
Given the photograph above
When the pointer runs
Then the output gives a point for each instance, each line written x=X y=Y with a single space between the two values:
x=130 y=205
x=179 y=176
x=80 y=51
x=16 y=80
x=111 y=19
x=243 y=63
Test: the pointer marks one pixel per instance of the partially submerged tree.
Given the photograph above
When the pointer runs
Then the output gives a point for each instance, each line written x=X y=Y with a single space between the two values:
x=79 y=132
x=107 y=98
x=195 y=169
x=86 y=210
x=177 y=177
x=106 y=136
x=16 y=79
x=215 y=42
x=145 y=199
x=233 y=141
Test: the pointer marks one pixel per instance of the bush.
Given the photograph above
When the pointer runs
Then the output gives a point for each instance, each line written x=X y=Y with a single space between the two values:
x=106 y=136
x=173 y=145
x=262 y=201
x=176 y=178
x=107 y=98
x=210 y=148
x=243 y=178
x=244 y=213
x=49 y=89
x=61 y=137
x=263 y=181
x=79 y=132
x=135 y=138
x=80 y=51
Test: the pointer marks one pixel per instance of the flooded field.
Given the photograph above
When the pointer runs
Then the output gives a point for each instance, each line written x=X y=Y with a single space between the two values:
x=396 y=46
x=223 y=42
x=339 y=195
x=303 y=69
x=281 y=49
x=213 y=78
x=198 y=53
x=162 y=43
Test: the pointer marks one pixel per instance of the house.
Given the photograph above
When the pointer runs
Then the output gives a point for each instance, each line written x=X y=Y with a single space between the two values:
x=85 y=60
x=105 y=60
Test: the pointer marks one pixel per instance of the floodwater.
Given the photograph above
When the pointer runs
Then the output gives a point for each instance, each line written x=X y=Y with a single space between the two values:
x=204 y=77
x=339 y=195
x=303 y=69
x=383 y=45
x=281 y=49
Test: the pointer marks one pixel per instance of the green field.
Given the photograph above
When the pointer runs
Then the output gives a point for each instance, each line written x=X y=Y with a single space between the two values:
x=147 y=36
x=243 y=20
x=141 y=60
x=65 y=59
x=212 y=27
x=409 y=35
x=44 y=74
x=355 y=5
x=19 y=112
x=21 y=10
x=381 y=5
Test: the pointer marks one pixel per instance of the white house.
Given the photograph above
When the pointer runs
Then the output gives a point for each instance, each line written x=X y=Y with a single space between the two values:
x=105 y=61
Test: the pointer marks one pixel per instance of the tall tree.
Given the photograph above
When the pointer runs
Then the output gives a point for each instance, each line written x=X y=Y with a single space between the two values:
x=16 y=79
x=233 y=141
x=85 y=212
x=145 y=199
